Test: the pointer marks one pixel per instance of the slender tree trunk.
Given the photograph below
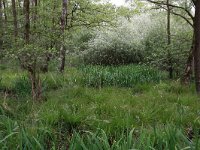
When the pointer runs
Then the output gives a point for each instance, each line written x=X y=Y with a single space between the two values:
x=15 y=18
x=5 y=14
x=63 y=25
x=35 y=3
x=170 y=65
x=45 y=67
x=32 y=66
x=197 y=46
x=189 y=65
x=27 y=20
x=1 y=25
x=35 y=82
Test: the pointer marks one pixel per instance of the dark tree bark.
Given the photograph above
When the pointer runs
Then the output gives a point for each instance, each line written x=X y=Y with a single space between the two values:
x=15 y=19
x=5 y=14
x=45 y=67
x=31 y=66
x=1 y=25
x=27 y=21
x=170 y=65
x=34 y=3
x=63 y=25
x=189 y=65
x=197 y=46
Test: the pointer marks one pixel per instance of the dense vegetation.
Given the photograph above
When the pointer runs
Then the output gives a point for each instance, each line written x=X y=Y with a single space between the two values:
x=81 y=115
x=84 y=74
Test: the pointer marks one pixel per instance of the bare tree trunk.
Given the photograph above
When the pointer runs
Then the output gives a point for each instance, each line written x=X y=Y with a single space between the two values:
x=27 y=20
x=197 y=46
x=63 y=25
x=189 y=65
x=15 y=18
x=35 y=3
x=170 y=65
x=45 y=66
x=32 y=67
x=1 y=25
x=35 y=82
x=5 y=14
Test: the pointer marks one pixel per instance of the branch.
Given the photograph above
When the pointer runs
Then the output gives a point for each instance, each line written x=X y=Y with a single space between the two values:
x=160 y=3
x=187 y=20
x=177 y=14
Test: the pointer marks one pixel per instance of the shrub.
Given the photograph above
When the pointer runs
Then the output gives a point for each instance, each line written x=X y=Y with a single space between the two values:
x=122 y=45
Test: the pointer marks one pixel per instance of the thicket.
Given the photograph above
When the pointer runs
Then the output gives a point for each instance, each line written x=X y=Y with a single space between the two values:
x=141 y=39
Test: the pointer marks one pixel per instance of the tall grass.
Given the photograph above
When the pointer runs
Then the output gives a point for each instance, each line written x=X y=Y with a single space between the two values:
x=143 y=116
x=122 y=76
x=166 y=138
x=17 y=136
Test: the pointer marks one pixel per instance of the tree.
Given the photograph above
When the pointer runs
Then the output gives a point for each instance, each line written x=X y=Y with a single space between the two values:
x=195 y=49
x=1 y=26
x=182 y=9
x=82 y=13
x=39 y=30
x=63 y=21
x=170 y=65
x=197 y=45
x=27 y=21
x=15 y=19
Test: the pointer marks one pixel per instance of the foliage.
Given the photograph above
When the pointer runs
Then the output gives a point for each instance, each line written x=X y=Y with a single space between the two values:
x=106 y=104
x=121 y=45
x=159 y=52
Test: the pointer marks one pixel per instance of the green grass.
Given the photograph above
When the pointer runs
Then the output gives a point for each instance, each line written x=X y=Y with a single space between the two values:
x=156 y=114
x=122 y=76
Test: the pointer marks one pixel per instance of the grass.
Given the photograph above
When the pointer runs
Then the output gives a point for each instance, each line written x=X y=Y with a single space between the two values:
x=156 y=114
x=122 y=76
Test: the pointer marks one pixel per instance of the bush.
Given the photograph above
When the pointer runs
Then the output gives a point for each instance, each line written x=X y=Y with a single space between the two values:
x=118 y=46
x=117 y=54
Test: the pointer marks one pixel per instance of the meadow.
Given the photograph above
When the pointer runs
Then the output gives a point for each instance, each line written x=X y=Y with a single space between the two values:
x=96 y=107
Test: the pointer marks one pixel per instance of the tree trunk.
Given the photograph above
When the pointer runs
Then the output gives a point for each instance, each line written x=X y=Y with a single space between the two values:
x=27 y=20
x=35 y=3
x=63 y=25
x=15 y=19
x=189 y=65
x=32 y=67
x=35 y=82
x=170 y=65
x=45 y=67
x=197 y=46
x=1 y=25
x=5 y=14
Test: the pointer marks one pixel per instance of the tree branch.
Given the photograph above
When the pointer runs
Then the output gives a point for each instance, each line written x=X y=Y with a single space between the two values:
x=161 y=3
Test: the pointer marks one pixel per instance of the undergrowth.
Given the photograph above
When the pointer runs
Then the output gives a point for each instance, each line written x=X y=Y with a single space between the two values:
x=156 y=114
